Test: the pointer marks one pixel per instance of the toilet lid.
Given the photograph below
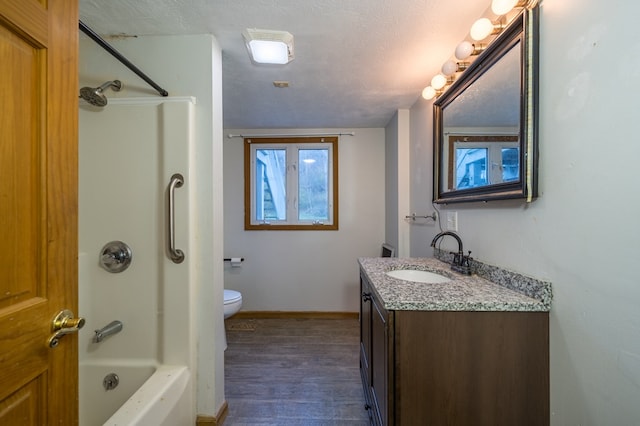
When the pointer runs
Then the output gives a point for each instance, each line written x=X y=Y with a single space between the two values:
x=231 y=296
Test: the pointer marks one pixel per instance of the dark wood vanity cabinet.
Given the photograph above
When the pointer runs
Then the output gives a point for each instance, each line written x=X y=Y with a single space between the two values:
x=453 y=367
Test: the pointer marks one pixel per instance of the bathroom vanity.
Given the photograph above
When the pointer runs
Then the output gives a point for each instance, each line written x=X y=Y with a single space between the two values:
x=463 y=352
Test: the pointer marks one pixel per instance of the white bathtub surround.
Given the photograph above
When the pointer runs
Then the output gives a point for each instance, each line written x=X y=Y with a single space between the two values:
x=125 y=168
x=186 y=65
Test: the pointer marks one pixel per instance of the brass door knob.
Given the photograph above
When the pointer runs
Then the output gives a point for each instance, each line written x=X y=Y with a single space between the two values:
x=64 y=323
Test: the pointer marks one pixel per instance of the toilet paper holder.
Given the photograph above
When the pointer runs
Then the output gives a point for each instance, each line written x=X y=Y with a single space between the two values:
x=236 y=262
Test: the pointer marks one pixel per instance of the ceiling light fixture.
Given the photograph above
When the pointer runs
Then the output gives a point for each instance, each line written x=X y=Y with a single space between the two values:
x=269 y=46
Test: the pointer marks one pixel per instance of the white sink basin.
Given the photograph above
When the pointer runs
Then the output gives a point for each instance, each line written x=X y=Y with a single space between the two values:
x=418 y=276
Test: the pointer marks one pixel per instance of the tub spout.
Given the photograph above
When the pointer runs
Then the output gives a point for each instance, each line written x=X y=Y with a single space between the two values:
x=113 y=327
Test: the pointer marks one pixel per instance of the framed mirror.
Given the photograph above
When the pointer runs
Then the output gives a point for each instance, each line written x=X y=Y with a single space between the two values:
x=485 y=124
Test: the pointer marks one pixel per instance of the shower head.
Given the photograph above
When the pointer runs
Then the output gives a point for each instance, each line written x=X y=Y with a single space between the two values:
x=95 y=96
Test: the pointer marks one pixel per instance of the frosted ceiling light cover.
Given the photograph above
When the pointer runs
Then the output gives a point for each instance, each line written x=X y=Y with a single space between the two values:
x=481 y=29
x=269 y=47
x=429 y=93
x=502 y=7
x=464 y=50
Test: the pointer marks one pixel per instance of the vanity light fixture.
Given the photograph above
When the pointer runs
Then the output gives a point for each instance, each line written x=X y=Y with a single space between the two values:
x=502 y=7
x=466 y=49
x=429 y=93
x=451 y=67
x=484 y=27
x=480 y=30
x=269 y=46
x=439 y=81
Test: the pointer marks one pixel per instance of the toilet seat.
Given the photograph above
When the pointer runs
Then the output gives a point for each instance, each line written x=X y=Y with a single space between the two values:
x=231 y=296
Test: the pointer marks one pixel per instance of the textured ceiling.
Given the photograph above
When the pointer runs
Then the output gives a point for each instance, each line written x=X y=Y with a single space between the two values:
x=356 y=62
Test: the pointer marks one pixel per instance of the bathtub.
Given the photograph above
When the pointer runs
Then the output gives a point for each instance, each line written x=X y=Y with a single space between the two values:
x=147 y=394
x=160 y=401
x=125 y=169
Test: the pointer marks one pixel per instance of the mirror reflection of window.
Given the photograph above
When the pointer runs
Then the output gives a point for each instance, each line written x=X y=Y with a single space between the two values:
x=471 y=167
x=477 y=161
x=510 y=164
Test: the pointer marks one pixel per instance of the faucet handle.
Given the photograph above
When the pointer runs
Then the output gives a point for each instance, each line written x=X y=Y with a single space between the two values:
x=466 y=260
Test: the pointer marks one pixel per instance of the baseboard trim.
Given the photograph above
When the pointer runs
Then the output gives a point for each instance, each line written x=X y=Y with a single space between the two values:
x=214 y=421
x=295 y=314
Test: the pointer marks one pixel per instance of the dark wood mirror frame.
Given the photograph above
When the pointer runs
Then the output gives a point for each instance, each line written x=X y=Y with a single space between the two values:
x=522 y=30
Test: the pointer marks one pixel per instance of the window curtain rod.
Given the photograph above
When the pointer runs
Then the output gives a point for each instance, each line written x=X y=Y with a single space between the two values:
x=106 y=46
x=277 y=135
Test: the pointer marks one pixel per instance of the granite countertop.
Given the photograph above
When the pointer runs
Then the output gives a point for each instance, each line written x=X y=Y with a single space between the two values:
x=462 y=293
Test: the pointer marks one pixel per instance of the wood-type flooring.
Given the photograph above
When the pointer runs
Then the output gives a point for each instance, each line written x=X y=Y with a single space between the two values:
x=293 y=372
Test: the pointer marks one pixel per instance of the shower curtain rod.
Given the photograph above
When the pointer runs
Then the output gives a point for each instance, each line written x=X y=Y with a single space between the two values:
x=275 y=135
x=106 y=46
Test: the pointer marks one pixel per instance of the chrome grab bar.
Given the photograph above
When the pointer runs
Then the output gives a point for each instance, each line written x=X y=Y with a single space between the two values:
x=176 y=255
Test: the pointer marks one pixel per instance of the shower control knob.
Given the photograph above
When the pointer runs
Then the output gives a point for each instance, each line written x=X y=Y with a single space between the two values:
x=115 y=256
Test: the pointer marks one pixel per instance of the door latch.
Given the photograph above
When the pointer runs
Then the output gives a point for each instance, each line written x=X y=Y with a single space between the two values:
x=64 y=323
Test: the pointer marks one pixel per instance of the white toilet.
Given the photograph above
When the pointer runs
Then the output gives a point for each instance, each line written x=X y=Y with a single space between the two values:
x=232 y=302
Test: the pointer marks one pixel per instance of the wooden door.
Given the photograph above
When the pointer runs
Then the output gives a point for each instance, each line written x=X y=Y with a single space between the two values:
x=38 y=209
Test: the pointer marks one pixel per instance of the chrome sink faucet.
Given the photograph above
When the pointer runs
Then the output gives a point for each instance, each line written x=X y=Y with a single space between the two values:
x=461 y=262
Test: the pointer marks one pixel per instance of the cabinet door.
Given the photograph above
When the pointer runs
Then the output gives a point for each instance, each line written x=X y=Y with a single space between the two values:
x=379 y=362
x=365 y=330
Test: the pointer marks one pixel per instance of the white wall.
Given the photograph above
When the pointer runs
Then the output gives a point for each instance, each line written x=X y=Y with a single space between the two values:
x=307 y=270
x=582 y=233
x=391 y=183
x=184 y=66
x=397 y=171
x=421 y=164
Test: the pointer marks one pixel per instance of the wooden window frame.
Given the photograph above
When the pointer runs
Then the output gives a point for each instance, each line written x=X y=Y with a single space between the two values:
x=252 y=141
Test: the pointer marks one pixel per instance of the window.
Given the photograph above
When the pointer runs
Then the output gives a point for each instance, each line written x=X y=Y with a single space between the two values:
x=291 y=183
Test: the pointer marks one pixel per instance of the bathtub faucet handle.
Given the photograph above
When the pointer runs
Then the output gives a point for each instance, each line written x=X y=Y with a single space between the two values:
x=115 y=256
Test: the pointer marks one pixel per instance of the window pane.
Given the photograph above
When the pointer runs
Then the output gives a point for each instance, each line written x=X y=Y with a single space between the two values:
x=471 y=167
x=270 y=184
x=510 y=164
x=313 y=184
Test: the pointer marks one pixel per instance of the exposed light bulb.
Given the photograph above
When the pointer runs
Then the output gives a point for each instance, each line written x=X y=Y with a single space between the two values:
x=502 y=7
x=449 y=68
x=429 y=93
x=464 y=50
x=481 y=29
x=438 y=82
